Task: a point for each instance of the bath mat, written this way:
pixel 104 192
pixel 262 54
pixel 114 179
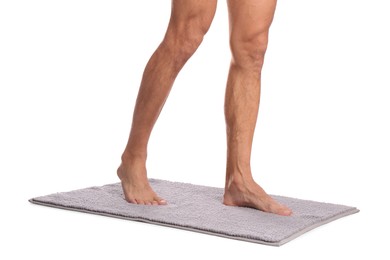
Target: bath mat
pixel 199 208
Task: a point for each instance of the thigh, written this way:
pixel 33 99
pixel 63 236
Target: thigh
pixel 192 14
pixel 250 18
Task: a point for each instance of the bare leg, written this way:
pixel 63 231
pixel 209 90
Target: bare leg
pixel 249 25
pixel 190 20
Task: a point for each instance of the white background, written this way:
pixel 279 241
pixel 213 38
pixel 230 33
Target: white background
pixel 69 75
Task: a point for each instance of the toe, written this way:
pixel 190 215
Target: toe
pixel 131 200
pixel 162 202
pixel 148 203
pixel 140 202
pixel 287 212
pixel 155 203
pixel 284 211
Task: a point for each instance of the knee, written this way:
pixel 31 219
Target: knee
pixel 187 43
pixel 248 51
pixel 183 40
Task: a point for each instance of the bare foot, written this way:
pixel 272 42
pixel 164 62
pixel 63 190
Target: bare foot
pixel 247 193
pixel 135 185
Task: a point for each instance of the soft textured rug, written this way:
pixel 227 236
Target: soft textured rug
pixel 199 208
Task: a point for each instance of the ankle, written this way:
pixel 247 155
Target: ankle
pixel 132 165
pixel 238 170
pixel 238 179
pixel 131 157
pixel 133 169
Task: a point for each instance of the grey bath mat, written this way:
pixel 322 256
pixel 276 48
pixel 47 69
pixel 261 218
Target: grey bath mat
pixel 200 208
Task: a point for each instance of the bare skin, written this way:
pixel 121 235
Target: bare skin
pixel 249 22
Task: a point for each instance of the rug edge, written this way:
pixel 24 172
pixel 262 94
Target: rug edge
pixel 351 211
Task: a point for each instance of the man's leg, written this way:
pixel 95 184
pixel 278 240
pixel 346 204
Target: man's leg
pixel 249 25
pixel 190 20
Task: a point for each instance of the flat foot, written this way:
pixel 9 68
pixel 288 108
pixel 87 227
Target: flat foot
pixel 136 187
pixel 249 194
